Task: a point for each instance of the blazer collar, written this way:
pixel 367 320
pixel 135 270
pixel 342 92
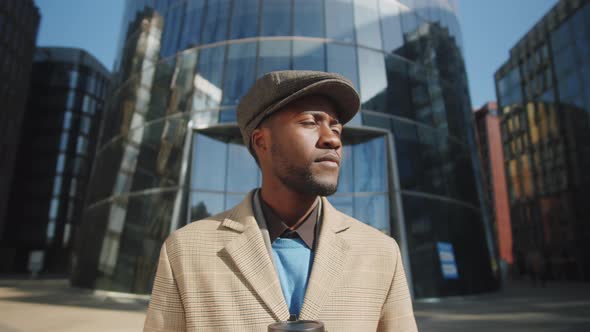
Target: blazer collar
pixel 249 253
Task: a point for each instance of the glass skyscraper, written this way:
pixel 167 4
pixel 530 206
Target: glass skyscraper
pixel 56 151
pixel 170 151
pixel 544 95
pixel 19 20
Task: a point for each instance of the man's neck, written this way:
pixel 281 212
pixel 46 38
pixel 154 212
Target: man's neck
pixel 288 205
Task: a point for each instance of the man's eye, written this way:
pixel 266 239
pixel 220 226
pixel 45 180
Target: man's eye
pixel 309 123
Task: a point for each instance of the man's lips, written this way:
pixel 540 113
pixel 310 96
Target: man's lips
pixel 331 157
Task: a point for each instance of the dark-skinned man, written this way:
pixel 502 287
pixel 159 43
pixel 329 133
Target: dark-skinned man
pixel 285 252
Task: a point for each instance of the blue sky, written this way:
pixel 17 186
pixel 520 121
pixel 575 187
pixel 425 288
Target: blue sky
pixel 490 28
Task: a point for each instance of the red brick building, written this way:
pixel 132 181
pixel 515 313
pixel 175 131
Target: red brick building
pixel 489 138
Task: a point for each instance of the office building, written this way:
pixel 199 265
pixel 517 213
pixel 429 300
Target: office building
pixel 544 95
pixel 170 151
pixel 19 21
pixel 57 148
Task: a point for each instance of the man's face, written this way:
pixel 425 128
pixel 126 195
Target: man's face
pixel 305 146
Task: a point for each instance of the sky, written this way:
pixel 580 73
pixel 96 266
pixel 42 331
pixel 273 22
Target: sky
pixel 490 28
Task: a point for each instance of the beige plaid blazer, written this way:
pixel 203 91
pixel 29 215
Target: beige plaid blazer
pixel 216 275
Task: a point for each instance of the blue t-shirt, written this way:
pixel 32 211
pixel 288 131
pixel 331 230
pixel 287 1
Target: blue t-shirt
pixel 293 261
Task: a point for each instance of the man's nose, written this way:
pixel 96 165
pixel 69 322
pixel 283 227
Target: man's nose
pixel 328 138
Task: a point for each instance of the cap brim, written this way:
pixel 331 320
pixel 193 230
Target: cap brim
pixel 342 94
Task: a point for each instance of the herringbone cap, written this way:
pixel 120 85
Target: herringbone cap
pixel 276 89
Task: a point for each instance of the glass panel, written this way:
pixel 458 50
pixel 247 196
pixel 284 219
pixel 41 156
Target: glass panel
pixel 209 157
pixel 172 26
pixel 373 210
pixel 391 25
pixel 85 125
pixel 61 163
pixel 370 176
pixel 191 30
pixel 232 200
pixel 243 173
pixel 244 21
pixel 366 21
pixel 372 78
pixel 274 55
pixel 346 178
pixel 308 55
pixel 340 20
pixel 217 21
pixel 398 88
pixel 344 203
pixel 208 81
pixel 63 142
pixel 239 72
pixel 276 18
pixel 204 205
pixel 67 120
pixel 309 18
pixel 342 60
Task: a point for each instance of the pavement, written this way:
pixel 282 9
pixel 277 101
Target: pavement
pixel 52 305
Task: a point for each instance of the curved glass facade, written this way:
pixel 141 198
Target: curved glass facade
pixel 170 150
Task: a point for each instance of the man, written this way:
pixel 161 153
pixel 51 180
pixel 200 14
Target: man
pixel 285 252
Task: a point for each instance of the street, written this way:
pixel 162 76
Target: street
pixel 51 305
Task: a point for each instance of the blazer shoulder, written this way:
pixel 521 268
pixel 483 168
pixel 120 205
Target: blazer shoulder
pixel 191 231
pixel 369 234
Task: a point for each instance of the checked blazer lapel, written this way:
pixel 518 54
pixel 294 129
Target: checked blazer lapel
pixel 328 265
pixel 250 255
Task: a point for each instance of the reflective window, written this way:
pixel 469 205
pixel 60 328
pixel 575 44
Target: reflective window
pixel 183 80
pixel 216 21
pixel 57 183
pixel 344 203
pixel 308 18
pixel 172 27
pixel 244 22
pixel 208 81
pixel 204 205
pixel 85 123
pixel 63 141
pixel 239 72
pixel 61 163
pixel 70 104
pixel 191 29
pixel 73 79
pixel 276 18
pixel 53 208
pixel 374 210
pixel 370 176
pixel 274 55
pixel 409 20
pixel 340 20
pixel 366 21
pixel 398 87
pixel 373 81
pixel 243 174
pixel 391 25
pixel 342 60
pixel 308 55
pixel 210 157
pixel 346 178
pixel 82 145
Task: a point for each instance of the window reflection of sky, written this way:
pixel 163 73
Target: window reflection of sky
pixel 223 172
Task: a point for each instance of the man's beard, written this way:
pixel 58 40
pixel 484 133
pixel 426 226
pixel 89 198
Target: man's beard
pixel 300 179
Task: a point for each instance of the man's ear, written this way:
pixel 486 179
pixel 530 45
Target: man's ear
pixel 260 140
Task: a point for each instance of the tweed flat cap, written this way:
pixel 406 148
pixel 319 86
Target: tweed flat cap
pixel 276 89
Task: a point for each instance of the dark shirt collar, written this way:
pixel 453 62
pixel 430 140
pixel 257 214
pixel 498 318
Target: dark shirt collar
pixel 276 227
